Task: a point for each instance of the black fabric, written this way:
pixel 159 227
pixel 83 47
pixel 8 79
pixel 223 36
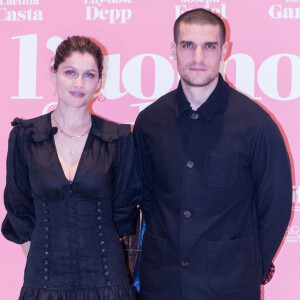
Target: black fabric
pixel 73 226
pixel 217 196
pixel 124 292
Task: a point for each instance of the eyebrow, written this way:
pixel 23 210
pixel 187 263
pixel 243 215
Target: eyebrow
pixel 185 42
pixel 206 43
pixel 211 43
pixel 90 70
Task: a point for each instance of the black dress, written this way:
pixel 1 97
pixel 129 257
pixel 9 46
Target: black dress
pixel 73 227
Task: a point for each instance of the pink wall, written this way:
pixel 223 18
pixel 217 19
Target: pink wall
pixel 136 35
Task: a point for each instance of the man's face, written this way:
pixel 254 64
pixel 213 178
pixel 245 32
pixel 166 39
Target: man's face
pixel 199 51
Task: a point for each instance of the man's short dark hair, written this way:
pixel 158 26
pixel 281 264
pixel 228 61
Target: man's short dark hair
pixel 199 16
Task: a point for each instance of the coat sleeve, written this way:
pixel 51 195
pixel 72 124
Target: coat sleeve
pixel 125 211
pixel 144 169
pixel 20 219
pixel 271 173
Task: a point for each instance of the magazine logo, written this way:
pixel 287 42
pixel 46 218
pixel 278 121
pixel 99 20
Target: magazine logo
pixel 285 10
pixel 213 5
pixel 293 234
pixel 111 15
pixel 15 11
pixel 296 198
pixel 128 80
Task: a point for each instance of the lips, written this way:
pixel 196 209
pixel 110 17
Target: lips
pixel 198 69
pixel 77 94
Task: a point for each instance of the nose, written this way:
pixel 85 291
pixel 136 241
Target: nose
pixel 78 82
pixel 198 55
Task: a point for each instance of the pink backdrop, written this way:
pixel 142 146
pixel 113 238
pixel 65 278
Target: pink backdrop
pixel 136 35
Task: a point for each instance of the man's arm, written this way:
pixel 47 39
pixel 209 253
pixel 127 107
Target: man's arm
pixel 144 169
pixel 271 174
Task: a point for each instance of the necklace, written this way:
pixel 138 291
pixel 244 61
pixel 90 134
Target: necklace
pixel 73 136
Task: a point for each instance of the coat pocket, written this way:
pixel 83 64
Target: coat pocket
pixel 231 265
pixel 220 168
pixel 152 261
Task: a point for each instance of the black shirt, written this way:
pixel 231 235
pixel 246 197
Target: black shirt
pixel 217 195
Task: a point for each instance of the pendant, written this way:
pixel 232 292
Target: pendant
pixel 71 151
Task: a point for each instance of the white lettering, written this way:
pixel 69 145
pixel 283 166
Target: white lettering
pixel 20 15
pixel 267 77
pixel 296 194
pixel 47 106
pixel 180 9
pixel 113 15
pixel 112 69
pixel 100 2
pixel 53 43
pixel 141 106
pixel 221 11
pixel 19 2
pixel 277 12
pixel 27 67
pixel 132 75
pixel 244 79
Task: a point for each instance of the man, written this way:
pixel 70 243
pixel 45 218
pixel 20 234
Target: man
pixel 216 178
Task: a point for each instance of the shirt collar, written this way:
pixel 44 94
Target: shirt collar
pixel 210 106
pixel 42 129
pixel 103 129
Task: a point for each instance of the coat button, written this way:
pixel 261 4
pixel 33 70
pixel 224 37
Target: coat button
pixel 187 214
pixel 194 116
pixel 190 164
pixel 185 262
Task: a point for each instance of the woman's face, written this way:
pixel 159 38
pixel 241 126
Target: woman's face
pixel 76 79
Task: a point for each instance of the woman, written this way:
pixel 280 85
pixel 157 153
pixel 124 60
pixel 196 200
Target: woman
pixel 68 188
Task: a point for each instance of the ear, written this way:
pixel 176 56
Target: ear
pixel 53 76
pixel 224 50
pixel 99 84
pixel 174 50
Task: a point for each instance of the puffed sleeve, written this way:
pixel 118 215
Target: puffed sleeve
pixel 125 210
pixel 19 220
pixel 271 173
